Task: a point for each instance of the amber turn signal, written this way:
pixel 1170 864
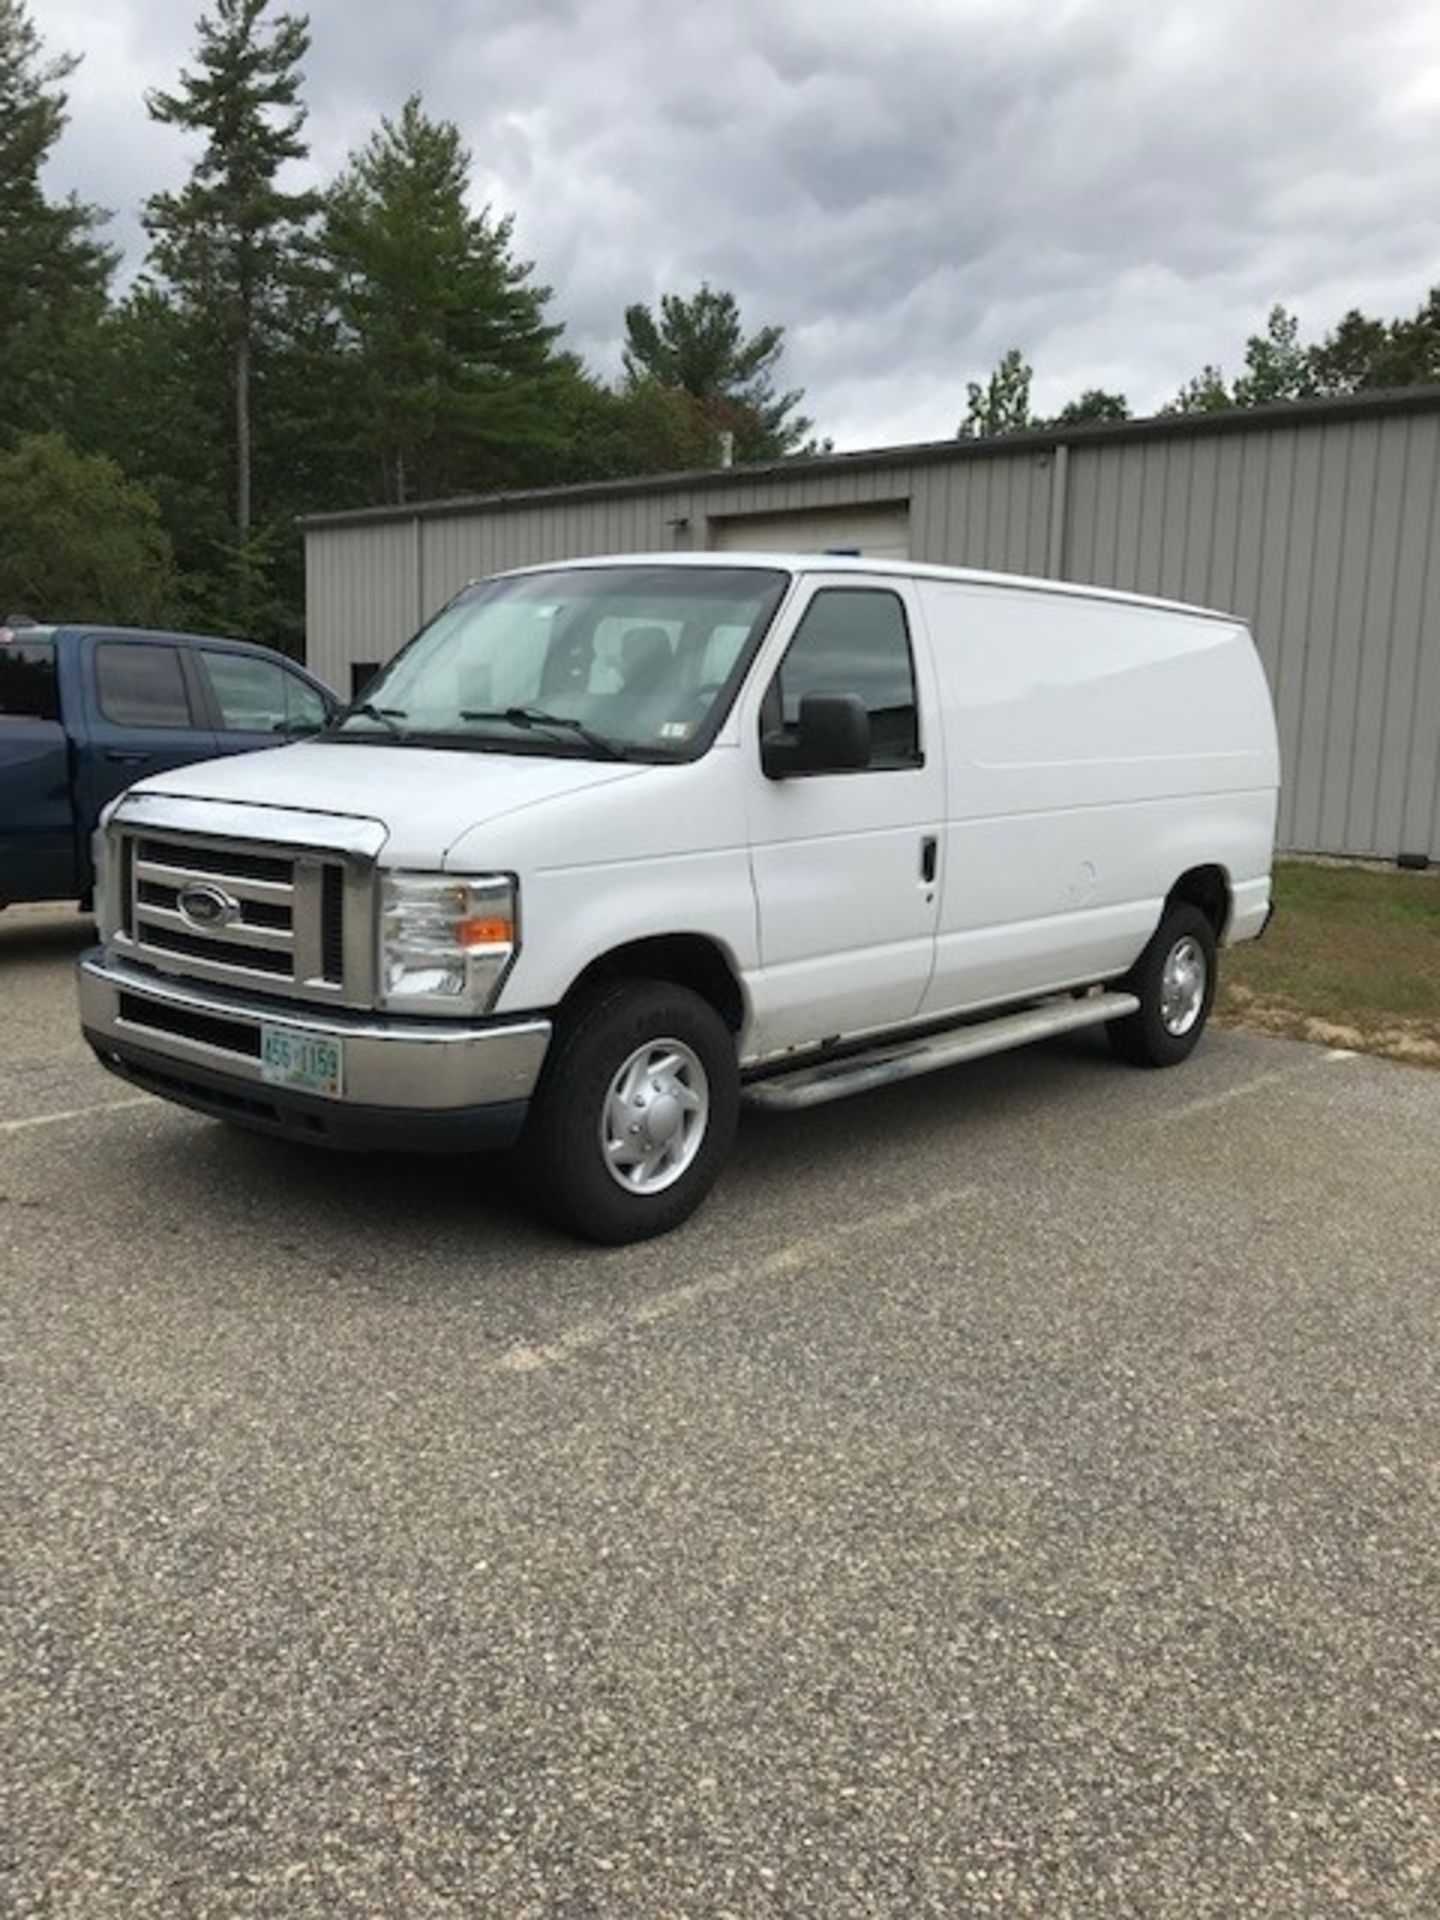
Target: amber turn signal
pixel 485 933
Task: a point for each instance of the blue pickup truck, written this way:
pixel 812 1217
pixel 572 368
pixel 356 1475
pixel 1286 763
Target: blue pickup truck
pixel 84 711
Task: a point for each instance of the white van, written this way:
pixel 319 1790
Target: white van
pixel 612 846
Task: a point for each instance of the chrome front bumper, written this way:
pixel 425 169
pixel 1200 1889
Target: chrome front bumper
pixel 407 1083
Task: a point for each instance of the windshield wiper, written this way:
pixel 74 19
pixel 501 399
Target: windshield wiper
pixel 530 717
pixel 387 716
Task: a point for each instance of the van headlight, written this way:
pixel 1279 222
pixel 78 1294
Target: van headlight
pixel 446 941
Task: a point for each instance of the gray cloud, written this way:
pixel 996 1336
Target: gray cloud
pixel 1120 189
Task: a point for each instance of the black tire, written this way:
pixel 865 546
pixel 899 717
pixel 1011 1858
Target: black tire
pixel 1147 1038
pixel 565 1162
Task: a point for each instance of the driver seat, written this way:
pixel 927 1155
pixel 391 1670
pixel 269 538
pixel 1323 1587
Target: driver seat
pixel 646 661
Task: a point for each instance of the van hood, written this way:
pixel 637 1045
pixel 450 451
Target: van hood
pixel 425 798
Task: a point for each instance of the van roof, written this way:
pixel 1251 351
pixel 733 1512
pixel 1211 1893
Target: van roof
pixel 850 563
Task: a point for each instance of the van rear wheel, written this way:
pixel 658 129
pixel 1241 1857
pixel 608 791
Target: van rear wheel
pixel 635 1112
pixel 1174 980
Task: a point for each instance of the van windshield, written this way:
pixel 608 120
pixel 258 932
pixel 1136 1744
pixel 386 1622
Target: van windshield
pixel 607 662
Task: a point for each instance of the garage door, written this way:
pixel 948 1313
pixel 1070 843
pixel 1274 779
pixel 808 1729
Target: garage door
pixel 878 533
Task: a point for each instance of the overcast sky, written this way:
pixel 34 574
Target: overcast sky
pixel 1119 187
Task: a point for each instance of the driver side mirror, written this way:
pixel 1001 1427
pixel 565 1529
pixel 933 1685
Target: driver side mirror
pixel 833 736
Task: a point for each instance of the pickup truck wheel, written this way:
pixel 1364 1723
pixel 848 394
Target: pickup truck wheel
pixel 1174 979
pixel 635 1112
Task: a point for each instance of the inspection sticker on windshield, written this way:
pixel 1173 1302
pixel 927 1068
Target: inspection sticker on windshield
pixel 308 1062
pixel 675 730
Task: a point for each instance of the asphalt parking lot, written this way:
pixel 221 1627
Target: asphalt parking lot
pixel 1016 1493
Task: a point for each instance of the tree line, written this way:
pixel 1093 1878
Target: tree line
pixel 372 342
pixel 1358 355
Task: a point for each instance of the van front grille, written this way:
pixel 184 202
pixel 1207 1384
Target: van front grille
pixel 158 1016
pixel 253 959
pixel 236 913
pixel 332 923
pixel 235 863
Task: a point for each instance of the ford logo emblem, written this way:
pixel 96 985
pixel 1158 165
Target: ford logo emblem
pixel 206 906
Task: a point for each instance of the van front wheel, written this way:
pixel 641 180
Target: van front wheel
pixel 635 1112
pixel 1174 980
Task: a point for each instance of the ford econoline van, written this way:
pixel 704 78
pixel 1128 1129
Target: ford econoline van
pixel 614 846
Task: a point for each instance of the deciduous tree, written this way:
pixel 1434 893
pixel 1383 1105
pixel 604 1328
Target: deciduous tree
pixel 1278 365
pixel 1206 392
pixel 1092 407
pixel 1000 404
pixel 81 541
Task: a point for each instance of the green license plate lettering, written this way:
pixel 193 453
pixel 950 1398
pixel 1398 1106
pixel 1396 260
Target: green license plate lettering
pixel 308 1062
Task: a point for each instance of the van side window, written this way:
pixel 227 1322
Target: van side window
pixel 141 685
pixel 854 640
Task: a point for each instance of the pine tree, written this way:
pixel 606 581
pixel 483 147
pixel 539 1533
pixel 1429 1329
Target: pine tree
pixel 451 362
pixel 230 243
pixel 698 348
pixel 152 406
pixel 53 270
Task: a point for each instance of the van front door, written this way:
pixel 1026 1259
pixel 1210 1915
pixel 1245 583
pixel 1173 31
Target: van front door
pixel 844 863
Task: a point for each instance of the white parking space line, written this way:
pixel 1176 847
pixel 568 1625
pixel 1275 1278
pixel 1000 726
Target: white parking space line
pixel 587 1334
pixel 73 1113
pixel 1183 1109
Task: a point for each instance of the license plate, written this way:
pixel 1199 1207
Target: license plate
pixel 309 1062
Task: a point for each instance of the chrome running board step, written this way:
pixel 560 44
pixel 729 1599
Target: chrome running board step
pixel 814 1086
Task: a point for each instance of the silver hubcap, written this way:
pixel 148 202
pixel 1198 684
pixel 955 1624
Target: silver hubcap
pixel 655 1115
pixel 1182 986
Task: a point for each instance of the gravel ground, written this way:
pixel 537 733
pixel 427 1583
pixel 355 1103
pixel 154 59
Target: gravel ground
pixel 1016 1494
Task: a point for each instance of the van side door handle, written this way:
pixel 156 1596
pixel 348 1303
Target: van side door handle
pixel 929 850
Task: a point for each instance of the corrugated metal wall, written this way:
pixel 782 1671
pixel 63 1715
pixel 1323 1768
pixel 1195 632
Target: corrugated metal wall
pixel 1321 535
pixel 1317 527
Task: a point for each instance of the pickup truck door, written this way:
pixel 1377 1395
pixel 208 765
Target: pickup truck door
pixel 146 713
pixel 37 826
pixel 844 864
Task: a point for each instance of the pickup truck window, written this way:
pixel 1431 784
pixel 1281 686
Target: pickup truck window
pixel 141 685
pixel 27 681
pixel 854 640
pixel 259 696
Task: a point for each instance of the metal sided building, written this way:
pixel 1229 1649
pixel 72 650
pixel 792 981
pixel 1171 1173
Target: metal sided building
pixel 1319 522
